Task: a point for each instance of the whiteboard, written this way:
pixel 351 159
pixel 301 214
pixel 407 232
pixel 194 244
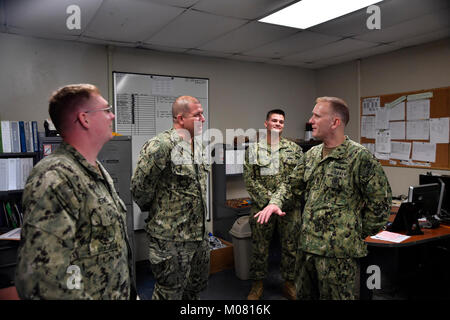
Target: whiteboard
pixel 143 109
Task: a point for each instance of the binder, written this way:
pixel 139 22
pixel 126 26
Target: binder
pixel 23 142
pixel 35 135
pixel 15 136
pixel 6 136
pixel 28 136
pixel 12 218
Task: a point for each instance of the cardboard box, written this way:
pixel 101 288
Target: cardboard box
pixel 221 259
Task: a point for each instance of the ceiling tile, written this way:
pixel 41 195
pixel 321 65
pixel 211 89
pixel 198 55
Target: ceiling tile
pixel 86 39
pixel 175 3
pixel 247 37
pixel 298 42
pixel 130 22
pixel 47 17
pixel 411 28
pixel 299 64
pixel 245 9
pixel 330 50
pixel 359 54
pixel 423 38
pixel 164 48
pixel 391 13
pixel 208 53
pixel 247 58
pixel 192 29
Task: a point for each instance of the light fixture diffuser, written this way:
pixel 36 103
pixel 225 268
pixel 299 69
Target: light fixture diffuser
pixel 307 13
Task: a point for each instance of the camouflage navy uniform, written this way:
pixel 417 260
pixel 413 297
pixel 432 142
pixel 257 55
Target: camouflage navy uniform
pixel 73 243
pixel 171 186
pixel 348 197
pixel 263 173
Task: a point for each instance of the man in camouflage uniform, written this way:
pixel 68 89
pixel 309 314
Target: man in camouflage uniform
pixel 74 243
pixel 170 183
pixel 348 198
pixel 269 163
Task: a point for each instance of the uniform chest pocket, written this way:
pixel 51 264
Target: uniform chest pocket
pixel 104 231
pixel 184 175
pixel 336 177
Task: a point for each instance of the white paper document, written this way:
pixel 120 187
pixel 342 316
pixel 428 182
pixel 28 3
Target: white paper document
pixel 390 236
pixel 397 129
pixel 382 156
pixel 370 105
pixel 382 118
pixel 424 151
pixel 439 130
pixel 395 102
pixel 397 112
pixel 11 235
pixel 420 96
pixel 383 141
pixel 400 150
pixel 368 127
pixel 418 130
pixel 418 109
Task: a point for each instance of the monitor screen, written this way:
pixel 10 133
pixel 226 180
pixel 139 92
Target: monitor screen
pixel 426 179
pixel 427 198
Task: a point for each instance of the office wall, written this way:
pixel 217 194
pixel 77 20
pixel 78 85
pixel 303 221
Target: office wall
pixel 240 93
pixel 420 67
pixel 32 68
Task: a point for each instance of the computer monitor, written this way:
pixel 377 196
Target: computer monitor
pixel 427 198
pixel 428 178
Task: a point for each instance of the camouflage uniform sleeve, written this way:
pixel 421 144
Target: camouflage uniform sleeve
pixel 292 188
pixel 376 192
pixel 152 161
pixel 256 190
pixel 47 241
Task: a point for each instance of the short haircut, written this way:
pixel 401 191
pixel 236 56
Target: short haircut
pixel 66 100
pixel 275 111
pixel 181 105
pixel 339 107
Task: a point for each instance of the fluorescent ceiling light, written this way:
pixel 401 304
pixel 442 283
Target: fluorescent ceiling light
pixel 308 13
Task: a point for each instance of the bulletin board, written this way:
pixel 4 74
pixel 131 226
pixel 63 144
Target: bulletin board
pixel 415 120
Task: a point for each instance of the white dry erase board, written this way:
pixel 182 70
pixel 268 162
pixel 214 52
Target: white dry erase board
pixel 143 108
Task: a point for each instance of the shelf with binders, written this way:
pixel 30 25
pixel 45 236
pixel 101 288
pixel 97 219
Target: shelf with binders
pixel 14 171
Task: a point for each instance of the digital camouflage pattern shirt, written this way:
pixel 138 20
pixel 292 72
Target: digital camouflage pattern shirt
pixel 73 242
pixel 170 183
pixel 265 169
pixel 348 197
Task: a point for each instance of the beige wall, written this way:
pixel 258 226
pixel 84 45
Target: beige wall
pixel 240 92
pixel 32 68
pixel 421 67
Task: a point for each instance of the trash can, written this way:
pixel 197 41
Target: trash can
pixel 242 247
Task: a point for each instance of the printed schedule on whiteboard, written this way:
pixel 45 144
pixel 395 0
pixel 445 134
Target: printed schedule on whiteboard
pixel 143 103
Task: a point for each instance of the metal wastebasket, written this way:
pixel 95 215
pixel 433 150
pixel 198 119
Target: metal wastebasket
pixel 242 247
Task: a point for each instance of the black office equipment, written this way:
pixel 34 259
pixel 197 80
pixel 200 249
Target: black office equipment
pixel 406 220
pixel 445 207
pixel 427 198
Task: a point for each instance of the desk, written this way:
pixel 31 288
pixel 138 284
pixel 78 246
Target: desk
pixel 439 233
pixel 409 262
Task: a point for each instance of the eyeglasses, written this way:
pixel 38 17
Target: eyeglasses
pixel 107 109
